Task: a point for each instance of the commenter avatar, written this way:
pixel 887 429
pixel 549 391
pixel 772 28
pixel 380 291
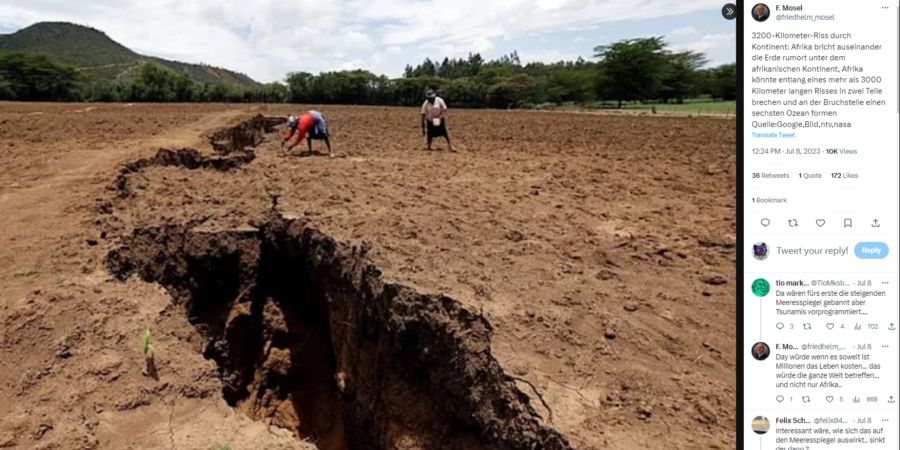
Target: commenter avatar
pixel 760 351
pixel 760 287
pixel 760 425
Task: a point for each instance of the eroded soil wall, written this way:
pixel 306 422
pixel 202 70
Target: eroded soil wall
pixel 307 335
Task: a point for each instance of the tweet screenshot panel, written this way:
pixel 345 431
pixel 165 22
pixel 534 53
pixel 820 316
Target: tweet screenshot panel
pixel 821 120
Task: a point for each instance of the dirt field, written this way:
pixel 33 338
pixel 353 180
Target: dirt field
pixel 562 281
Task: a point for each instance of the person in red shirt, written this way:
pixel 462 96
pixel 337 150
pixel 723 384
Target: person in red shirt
pixel 311 126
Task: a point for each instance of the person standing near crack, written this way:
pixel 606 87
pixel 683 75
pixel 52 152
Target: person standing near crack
pixel 311 126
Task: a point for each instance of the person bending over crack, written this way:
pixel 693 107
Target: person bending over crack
pixel 311 126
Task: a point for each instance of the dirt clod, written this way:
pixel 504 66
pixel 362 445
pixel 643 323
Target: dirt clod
pixel 644 412
pixel 715 280
pixel 515 236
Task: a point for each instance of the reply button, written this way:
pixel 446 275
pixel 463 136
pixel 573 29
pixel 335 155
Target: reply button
pixel 871 250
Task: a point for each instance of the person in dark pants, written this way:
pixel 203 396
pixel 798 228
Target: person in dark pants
pixel 434 120
pixel 311 126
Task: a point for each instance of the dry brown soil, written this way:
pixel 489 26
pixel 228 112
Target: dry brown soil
pixel 562 279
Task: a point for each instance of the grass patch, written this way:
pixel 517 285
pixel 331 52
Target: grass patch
pixel 696 106
pixel 690 106
pixel 147 343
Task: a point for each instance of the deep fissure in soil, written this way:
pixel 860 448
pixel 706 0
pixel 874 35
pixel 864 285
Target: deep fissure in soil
pixel 245 135
pixel 308 336
pixel 234 147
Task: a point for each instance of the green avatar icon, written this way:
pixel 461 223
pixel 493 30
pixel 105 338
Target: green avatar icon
pixel 760 287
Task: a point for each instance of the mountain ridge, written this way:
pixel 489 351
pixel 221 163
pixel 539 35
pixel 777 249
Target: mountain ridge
pixel 94 53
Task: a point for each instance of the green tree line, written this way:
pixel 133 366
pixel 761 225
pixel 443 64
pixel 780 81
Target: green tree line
pixel 632 70
pixel 36 77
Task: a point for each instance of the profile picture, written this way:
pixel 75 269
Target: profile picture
pixel 760 425
pixel 760 351
pixel 760 287
pixel 760 12
pixel 760 251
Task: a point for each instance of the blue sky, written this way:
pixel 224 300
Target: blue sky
pixel 274 37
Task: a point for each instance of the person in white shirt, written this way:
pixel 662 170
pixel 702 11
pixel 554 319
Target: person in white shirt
pixel 434 120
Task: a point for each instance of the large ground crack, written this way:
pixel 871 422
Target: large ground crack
pixel 307 335
pixel 247 134
pixel 234 147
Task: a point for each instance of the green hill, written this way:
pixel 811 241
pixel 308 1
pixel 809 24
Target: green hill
pixel 101 58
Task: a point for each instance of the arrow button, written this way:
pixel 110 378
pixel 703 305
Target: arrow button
pixel 729 11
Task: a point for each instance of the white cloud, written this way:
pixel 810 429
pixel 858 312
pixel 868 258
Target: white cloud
pixel 481 45
pixel 546 56
pixel 718 47
pixel 268 38
pixel 710 42
pixel 689 30
pixel 432 20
